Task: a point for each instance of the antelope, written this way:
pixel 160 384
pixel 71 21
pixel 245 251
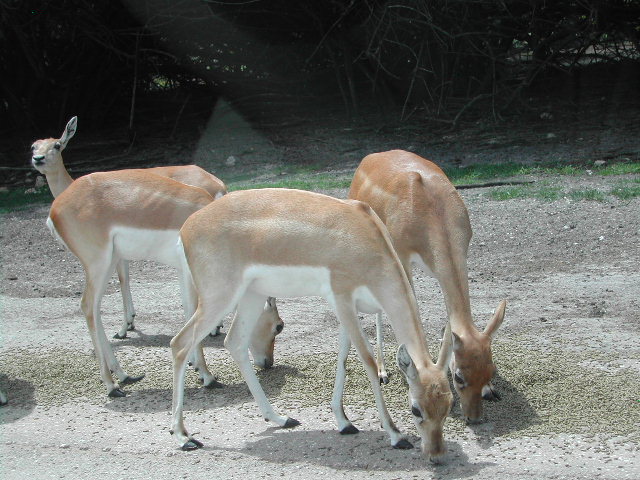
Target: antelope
pixel 253 244
pixel 429 226
pixel 46 158
pixel 104 218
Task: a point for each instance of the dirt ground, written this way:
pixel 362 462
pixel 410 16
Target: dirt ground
pixel 568 358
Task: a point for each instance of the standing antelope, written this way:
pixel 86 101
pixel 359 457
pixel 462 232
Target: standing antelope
pixel 429 225
pixel 288 243
pixel 104 218
pixel 46 157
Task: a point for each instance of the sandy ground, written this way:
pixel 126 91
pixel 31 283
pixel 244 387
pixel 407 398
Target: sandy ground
pixel 568 357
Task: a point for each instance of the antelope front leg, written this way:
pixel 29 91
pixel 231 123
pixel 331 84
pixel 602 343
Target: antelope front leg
pixel 96 282
pixel 90 304
pixel 237 342
pixel 348 317
pixel 122 267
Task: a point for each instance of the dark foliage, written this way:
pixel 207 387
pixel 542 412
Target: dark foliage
pixel 102 59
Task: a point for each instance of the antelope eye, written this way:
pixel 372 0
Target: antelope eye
pixel 57 146
pixel 458 378
pixel 416 412
pixel 33 147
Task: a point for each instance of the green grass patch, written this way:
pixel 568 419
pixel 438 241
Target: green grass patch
pixel 323 181
pixel 588 194
pixel 552 193
pixel 618 169
pixel 509 193
pixel 545 193
pixel 478 173
pixel 483 172
pixel 626 191
pixel 16 199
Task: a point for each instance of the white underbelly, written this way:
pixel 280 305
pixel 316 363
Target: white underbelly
pixel 288 281
pixel 142 244
pixel 302 281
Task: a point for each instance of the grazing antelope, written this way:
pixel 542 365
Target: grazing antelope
pixel 429 226
pixel 105 218
pixel 252 244
pixel 46 157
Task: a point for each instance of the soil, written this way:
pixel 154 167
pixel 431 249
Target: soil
pixel 568 356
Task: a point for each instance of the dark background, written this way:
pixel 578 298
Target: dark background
pixel 146 75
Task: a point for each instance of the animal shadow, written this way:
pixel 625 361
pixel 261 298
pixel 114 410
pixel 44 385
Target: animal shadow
pixel 20 399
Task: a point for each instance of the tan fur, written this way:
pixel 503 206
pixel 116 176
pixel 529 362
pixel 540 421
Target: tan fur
pixel 426 216
pixel 194 176
pixel 94 204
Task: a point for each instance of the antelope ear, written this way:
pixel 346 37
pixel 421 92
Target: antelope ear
pixel 445 349
pixel 403 359
pixel 69 131
pixel 496 320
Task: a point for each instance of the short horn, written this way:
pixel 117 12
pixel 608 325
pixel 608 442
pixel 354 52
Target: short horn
pixel 446 348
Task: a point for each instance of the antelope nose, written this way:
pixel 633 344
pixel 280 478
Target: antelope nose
pixel 38 159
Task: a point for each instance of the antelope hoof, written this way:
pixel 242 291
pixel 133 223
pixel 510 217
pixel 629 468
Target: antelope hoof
pixel 120 337
pixel 192 444
pixel 403 444
pixel 290 423
pixel 384 379
pixel 129 380
pixel 117 393
pixel 216 332
pixel 214 384
pixel 349 430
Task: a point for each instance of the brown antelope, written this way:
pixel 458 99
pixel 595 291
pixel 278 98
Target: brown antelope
pixel 252 244
pixel 429 226
pixel 46 157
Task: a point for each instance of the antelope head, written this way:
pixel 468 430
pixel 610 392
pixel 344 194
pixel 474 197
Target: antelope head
pixel 472 367
pixel 46 155
pixel 430 397
pixel 263 338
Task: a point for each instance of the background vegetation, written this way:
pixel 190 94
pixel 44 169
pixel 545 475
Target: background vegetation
pixel 127 63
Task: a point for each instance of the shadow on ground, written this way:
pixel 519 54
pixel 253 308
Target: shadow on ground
pixel 367 450
pixel 512 413
pixel 230 394
pixel 20 399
